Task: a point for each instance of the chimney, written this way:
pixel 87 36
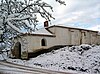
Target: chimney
pixel 46 24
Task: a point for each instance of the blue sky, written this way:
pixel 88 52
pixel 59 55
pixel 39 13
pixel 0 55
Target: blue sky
pixel 77 13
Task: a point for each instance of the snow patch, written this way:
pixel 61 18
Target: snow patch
pixel 83 59
pixel 42 31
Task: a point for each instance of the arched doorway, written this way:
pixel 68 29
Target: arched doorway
pixel 43 42
pixel 17 50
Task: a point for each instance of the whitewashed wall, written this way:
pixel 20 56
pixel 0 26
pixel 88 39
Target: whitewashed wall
pixel 62 35
pixel 66 36
pixel 98 39
pixel 86 37
pixel 73 36
pixel 34 42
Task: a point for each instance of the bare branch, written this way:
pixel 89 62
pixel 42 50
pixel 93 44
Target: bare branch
pixel 16 15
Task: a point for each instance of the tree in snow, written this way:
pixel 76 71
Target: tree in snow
pixel 18 15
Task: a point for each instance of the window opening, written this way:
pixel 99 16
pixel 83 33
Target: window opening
pixel 43 42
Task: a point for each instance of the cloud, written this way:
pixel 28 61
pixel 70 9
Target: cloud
pixel 77 13
pixel 96 28
pixel 81 13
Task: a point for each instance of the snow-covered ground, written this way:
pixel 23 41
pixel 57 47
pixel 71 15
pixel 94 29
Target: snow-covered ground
pixel 83 58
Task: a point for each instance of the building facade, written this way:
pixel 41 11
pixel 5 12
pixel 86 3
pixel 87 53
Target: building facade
pixel 52 36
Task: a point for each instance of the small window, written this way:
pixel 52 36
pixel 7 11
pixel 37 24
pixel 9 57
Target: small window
pixel 43 42
pixel 84 33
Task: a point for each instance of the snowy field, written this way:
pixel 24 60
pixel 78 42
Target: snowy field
pixel 83 58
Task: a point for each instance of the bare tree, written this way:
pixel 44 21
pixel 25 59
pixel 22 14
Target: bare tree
pixel 18 15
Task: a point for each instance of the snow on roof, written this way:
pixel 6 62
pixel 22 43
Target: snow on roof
pixel 42 31
pixel 39 32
